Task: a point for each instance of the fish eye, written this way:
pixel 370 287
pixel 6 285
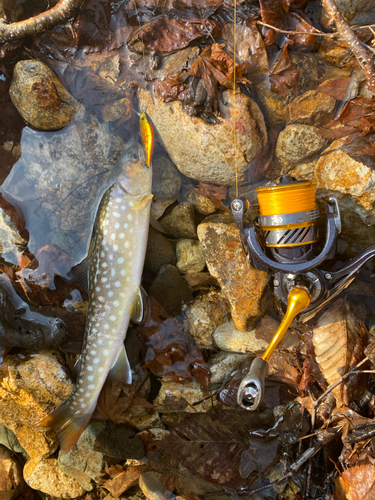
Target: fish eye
pixel 133 157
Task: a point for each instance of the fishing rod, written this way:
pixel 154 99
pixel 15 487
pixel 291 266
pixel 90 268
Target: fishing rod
pixel 283 241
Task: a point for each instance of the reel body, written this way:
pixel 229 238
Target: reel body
pixel 283 241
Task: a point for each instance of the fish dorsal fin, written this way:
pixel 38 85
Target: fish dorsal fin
pixel 143 203
pixel 138 307
pixel 121 368
pixel 81 273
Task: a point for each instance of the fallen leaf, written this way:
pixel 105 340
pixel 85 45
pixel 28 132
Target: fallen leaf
pixel 207 449
pixel 170 89
pixel 337 339
pixel 284 73
pixel 217 194
pixel 356 483
pixel 273 12
pixel 336 88
pixel 121 478
pixel 296 22
pixel 167 33
pixel 118 442
pixel 259 456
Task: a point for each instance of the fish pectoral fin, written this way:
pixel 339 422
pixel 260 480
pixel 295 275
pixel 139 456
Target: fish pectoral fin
pixel 81 273
pixel 77 366
pixel 121 368
pixel 156 225
pixel 143 202
pixel 67 425
pixel 138 308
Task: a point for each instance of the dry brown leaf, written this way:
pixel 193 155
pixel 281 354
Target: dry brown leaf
pixel 121 478
pixel 356 483
pixel 338 346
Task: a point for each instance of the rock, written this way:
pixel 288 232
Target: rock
pixel 11 242
pixel 83 462
pixel 30 388
pixel 204 151
pixel 190 256
pixel 11 479
pixel 146 422
pixel 158 207
pixel 182 396
pixel 228 338
pixel 180 222
pixel 171 290
pixel 201 204
pixel 46 476
pixel 274 104
pixel 203 316
pixel 40 97
pixel 151 484
pixel 117 109
pixel 296 143
pixel 242 285
pixel 24 327
pixel 159 252
pixel 166 179
pixel 304 171
pixel 222 364
pixel 350 180
pixel 336 53
pixel 354 11
pixel 60 178
pixel 312 108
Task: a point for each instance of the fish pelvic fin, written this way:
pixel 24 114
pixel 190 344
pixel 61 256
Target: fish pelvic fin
pixel 143 203
pixel 67 424
pixel 121 369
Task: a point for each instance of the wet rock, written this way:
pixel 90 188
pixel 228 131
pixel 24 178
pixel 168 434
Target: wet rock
pixel 176 397
pixel 296 143
pixel 242 285
pixel 12 482
pixel 351 181
pixel 61 178
pixel 204 151
pixel 228 338
pixel 180 222
pixel 274 104
pixel 171 290
pixel 117 109
pixel 166 179
pixel 10 240
pixel 312 108
pixel 23 327
pixel 158 207
pixel 151 420
pixel 305 171
pixel 46 476
pixel 83 462
pixel 159 252
pixel 190 256
pixel 31 387
pixel 40 97
pixel 151 484
pixel 203 316
pixel 222 364
pixel 201 204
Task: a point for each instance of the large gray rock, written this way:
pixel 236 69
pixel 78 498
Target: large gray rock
pixel 204 151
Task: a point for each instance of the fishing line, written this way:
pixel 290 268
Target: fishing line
pixel 234 93
pixel 288 199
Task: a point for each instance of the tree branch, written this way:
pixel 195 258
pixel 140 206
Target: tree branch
pixel 345 32
pixel 46 20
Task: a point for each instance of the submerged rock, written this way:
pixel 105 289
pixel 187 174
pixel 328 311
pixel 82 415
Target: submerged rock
pixel 242 285
pixel 40 98
pixel 30 387
pixel 180 222
pixel 313 108
pixel 190 256
pixel 59 180
pixel 203 316
pixel 159 252
pixel 166 179
pixel 201 204
pixel 46 476
pixel 171 290
pixel 202 150
pixel 350 180
pixel 222 365
pixel 12 482
pixel 296 143
pixel 188 397
pixel 151 484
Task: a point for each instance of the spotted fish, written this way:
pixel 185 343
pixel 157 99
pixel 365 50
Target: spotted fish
pixel 117 255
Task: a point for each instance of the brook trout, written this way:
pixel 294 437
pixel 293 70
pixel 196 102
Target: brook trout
pixel 117 253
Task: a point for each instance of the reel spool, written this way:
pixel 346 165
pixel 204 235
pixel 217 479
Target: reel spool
pixel 283 241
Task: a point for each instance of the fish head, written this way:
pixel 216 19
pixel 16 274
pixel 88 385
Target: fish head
pixel 135 176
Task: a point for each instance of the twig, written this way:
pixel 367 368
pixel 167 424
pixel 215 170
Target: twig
pixel 46 20
pixel 316 33
pixel 345 31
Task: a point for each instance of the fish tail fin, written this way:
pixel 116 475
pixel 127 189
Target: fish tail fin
pixel 67 424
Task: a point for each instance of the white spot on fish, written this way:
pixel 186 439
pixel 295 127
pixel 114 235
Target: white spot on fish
pixel 122 236
pixel 110 342
pixel 88 394
pixel 116 214
pixel 118 200
pixel 117 225
pixel 100 342
pixel 90 368
pixel 81 390
pixel 127 244
pixel 112 318
pixel 113 236
pixel 115 248
pixel 96 360
pixel 123 207
pixel 130 253
pixel 120 260
pixel 90 378
pixel 104 280
pixel 97 289
pixel 93 353
pixel 101 299
pixel 100 369
pixel 110 293
pixel 117 284
pixel 123 272
pixel 104 264
pixel 113 272
pixel 106 326
pixel 131 230
pixel 122 294
pixel 116 303
pixel 126 225
pixel 91 386
pixel 129 217
pixel 83 405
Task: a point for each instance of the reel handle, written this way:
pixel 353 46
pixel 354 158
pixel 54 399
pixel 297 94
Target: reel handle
pixel 251 390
